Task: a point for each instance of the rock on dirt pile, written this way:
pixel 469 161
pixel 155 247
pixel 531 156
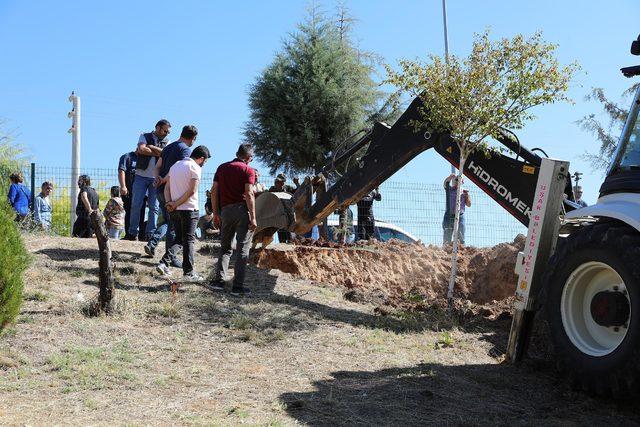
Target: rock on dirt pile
pixel 396 271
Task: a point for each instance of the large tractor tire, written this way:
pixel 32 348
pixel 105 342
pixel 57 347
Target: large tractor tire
pixel 593 308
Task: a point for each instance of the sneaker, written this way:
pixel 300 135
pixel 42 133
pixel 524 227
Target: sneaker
pixel 240 291
pixel 150 251
pixel 163 269
pixel 176 263
pixel 131 237
pixel 216 286
pixel 192 277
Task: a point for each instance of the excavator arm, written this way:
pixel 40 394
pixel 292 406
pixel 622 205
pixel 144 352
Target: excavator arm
pixel 510 181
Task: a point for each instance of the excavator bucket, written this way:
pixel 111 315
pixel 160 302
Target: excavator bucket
pixel 273 211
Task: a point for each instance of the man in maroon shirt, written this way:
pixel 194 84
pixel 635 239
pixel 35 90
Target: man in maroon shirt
pixel 234 213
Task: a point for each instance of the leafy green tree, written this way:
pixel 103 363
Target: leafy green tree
pixel 317 92
pixel 13 254
pixel 472 98
pixel 606 133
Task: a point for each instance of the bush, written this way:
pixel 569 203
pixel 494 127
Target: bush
pixel 14 260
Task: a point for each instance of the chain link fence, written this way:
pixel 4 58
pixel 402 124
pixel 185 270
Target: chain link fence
pixel 416 208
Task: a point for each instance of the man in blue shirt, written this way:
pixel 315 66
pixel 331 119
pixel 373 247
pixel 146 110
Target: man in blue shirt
pixel 171 154
pixel 126 175
pixel 19 196
pixel 150 147
pixel 42 207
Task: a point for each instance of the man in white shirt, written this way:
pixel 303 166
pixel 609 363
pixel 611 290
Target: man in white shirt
pixel 181 195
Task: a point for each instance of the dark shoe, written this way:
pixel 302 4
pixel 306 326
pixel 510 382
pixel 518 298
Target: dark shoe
pixel 216 286
pixel 176 263
pixel 151 251
pixel 148 237
pixel 131 237
pixel 240 291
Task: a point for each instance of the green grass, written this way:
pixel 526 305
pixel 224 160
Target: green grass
pixel 167 309
pixel 93 368
pixel 35 296
pixel 446 340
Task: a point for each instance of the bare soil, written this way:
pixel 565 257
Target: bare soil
pixel 294 352
pixel 398 274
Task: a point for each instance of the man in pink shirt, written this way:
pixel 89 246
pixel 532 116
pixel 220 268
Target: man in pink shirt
pixel 181 194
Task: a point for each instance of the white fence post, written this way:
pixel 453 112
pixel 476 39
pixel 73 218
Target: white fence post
pixel 74 115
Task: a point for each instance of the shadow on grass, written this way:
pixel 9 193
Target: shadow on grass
pixel 64 254
pixel 265 308
pixel 434 394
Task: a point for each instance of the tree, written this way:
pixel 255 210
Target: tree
pixel 472 98
pixel 608 133
pixel 315 94
pixel 13 254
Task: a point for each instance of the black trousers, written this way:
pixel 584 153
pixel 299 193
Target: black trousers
pixel 82 227
pixel 366 228
pixel 184 224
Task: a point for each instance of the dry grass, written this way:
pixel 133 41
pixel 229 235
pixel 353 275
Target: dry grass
pixel 292 353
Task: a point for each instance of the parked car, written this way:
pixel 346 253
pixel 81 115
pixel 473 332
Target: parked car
pixel 385 230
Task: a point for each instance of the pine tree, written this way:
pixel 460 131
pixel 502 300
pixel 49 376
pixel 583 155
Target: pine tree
pixel 315 94
pixel 607 134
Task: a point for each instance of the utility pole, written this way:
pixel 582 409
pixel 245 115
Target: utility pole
pixel 446 46
pixel 74 115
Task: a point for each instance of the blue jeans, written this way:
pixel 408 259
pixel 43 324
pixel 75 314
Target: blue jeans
pixel 164 228
pixel 447 226
pixel 141 186
pixel 114 233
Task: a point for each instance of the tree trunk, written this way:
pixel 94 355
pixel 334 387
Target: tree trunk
pixel 456 227
pixel 107 291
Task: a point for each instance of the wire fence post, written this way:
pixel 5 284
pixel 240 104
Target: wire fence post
pixel 33 187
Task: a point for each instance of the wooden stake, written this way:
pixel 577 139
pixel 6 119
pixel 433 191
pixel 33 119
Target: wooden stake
pixel 107 289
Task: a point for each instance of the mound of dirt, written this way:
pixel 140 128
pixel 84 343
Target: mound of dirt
pixel 395 273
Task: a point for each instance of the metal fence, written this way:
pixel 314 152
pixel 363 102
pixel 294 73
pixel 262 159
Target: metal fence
pixel 417 208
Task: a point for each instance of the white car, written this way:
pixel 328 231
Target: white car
pixel 385 230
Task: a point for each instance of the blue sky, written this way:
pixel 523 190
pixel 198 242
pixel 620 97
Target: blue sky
pixel 193 61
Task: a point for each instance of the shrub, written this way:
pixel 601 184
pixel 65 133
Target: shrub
pixel 13 256
pixel 15 260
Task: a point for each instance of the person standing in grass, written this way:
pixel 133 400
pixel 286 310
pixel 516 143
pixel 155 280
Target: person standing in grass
pixel 172 153
pixel 181 195
pixel 88 201
pixel 234 213
pixel 42 207
pixel 149 149
pixel 19 196
pixel 114 214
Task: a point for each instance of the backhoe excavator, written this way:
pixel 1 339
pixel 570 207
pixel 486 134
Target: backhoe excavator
pixel 581 264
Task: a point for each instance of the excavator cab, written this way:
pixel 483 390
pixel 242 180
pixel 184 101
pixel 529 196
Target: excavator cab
pixel 623 174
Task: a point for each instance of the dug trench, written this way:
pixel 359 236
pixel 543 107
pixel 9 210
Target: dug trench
pixel 397 275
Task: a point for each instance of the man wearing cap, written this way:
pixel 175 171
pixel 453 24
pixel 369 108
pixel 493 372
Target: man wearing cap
pixel 279 186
